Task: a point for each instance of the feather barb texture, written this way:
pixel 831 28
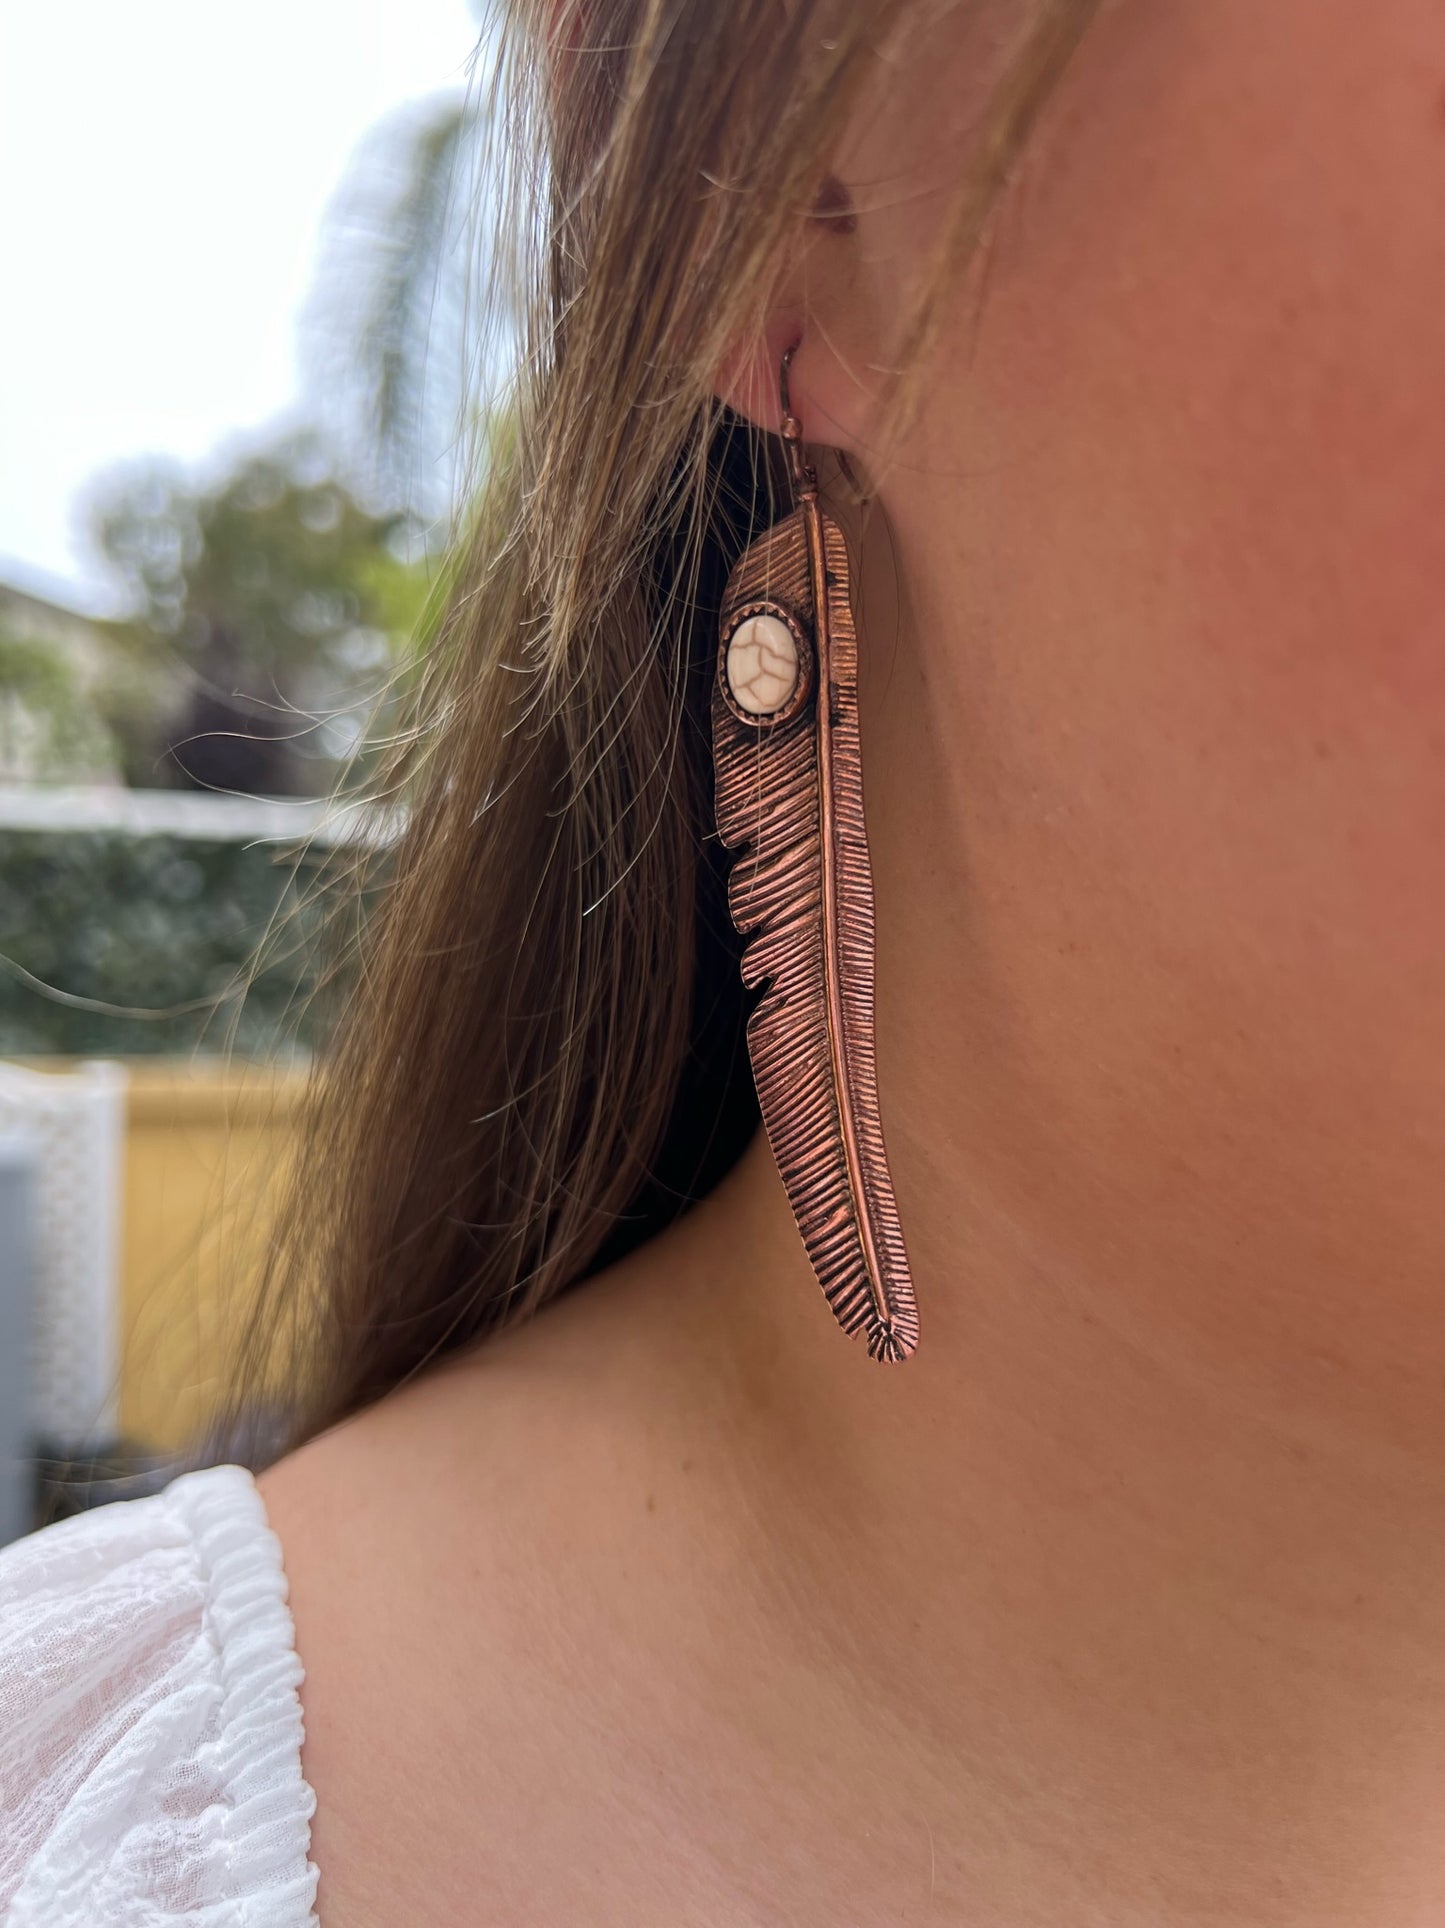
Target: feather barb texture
pixel 789 794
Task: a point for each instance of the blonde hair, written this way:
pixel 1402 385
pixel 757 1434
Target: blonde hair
pixel 541 1058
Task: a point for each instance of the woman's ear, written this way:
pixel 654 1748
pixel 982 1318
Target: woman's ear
pixel 807 312
pixel 823 392
pixel 749 381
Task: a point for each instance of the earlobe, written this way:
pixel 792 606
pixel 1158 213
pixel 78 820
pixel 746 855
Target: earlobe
pixel 747 381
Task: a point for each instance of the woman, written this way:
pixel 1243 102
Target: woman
pixel 1122 1600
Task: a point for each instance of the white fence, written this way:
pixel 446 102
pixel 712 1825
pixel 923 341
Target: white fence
pixel 75 1123
pixel 192 813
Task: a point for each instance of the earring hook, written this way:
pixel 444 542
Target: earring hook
pixel 802 474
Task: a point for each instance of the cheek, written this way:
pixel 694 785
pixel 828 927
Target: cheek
pixel 1202 431
pixel 1172 528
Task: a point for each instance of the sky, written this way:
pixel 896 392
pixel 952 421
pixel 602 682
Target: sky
pixel 165 167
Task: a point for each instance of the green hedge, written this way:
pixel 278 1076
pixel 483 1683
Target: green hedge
pixel 153 923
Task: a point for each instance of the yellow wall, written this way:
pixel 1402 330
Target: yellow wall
pixel 205 1145
pixel 205 1153
pixel 204 1150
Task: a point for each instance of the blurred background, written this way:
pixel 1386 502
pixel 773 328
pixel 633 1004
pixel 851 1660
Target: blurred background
pixel 236 371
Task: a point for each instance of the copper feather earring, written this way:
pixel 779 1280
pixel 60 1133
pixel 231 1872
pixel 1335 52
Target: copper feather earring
pixel 789 788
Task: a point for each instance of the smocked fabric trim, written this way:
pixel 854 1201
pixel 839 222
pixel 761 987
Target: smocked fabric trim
pixel 267 1827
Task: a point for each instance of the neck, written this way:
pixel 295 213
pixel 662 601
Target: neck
pixel 1143 1552
pixel 1115 1602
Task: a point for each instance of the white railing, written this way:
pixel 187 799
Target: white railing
pixel 192 813
pixel 75 1123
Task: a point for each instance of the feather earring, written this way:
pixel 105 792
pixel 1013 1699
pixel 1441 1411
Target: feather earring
pixel 789 789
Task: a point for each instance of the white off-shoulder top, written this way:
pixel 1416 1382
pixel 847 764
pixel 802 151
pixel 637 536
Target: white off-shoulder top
pixel 150 1726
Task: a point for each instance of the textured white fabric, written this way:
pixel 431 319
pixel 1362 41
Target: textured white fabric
pixel 150 1726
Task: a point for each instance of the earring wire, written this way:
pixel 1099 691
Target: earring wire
pixel 802 474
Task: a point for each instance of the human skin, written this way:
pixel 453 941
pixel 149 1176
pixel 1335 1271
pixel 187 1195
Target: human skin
pixel 1121 1604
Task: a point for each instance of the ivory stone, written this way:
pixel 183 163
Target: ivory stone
pixel 762 665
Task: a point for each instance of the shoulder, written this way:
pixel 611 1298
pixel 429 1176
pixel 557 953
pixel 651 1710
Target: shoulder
pixel 150 1724
pixel 463 1561
pixel 414 1539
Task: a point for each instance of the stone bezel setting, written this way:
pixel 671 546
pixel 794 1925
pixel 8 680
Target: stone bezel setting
pixel 803 680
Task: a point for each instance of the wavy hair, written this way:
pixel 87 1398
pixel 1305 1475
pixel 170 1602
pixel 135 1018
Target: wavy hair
pixel 540 1060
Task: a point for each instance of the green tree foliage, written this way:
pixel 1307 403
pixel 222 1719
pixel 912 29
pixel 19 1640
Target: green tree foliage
pixel 48 721
pixel 121 944
pixel 271 609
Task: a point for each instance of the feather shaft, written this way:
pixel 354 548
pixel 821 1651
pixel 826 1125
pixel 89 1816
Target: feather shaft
pixel 790 803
